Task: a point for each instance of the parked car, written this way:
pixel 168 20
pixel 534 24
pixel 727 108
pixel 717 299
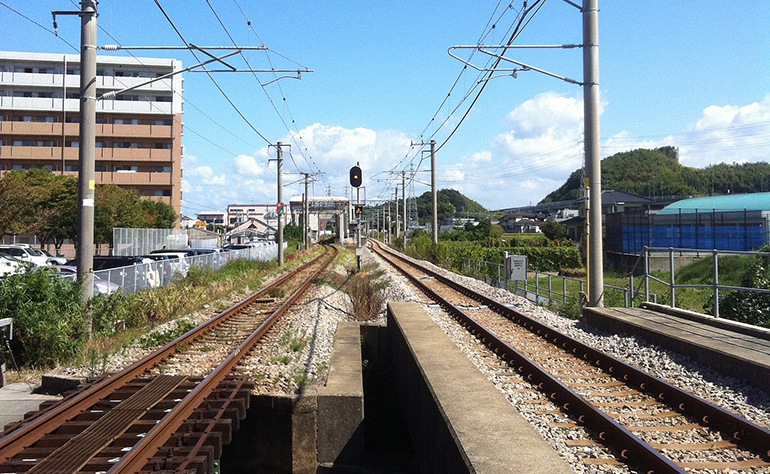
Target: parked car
pixel 145 270
pixel 25 253
pixel 10 265
pixel 54 259
pixel 177 260
pixel 101 286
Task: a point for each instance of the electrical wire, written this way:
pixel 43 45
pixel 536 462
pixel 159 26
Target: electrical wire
pixel 39 25
pixel 157 2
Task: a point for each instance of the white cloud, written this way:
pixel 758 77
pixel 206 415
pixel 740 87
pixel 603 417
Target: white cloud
pixel 723 134
pixel 248 166
pixel 206 176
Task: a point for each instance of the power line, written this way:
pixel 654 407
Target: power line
pixel 210 76
pixel 39 25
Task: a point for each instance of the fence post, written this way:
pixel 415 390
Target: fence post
pixel 550 296
pixel 625 298
pixel 564 289
pixel 537 287
pixel 631 277
pixel 647 274
pixel 716 283
pixel 672 290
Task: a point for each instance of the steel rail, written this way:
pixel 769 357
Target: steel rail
pixel 743 431
pixel 147 447
pixel 45 422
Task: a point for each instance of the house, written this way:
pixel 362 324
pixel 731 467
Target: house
pixel 616 201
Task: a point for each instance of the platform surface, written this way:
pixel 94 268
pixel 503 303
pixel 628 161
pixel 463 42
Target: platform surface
pixel 16 399
pixel 733 353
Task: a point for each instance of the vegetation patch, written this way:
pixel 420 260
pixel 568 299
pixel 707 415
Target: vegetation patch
pixel 162 338
pixel 366 291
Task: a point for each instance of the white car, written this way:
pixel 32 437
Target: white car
pixel 25 253
pixel 9 265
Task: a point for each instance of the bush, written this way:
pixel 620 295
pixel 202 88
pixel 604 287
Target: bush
pixel 49 325
pixel 366 293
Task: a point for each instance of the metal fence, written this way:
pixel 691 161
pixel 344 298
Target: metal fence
pixel 714 286
pixel 157 274
pixel 545 288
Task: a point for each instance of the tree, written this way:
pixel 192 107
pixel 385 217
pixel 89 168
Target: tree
pixel 22 198
pixel 158 215
pixel 552 230
pixel 61 223
pixel 496 232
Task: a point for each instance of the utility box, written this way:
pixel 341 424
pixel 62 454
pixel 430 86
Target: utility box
pixel 516 267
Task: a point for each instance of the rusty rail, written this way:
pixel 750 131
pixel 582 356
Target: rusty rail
pixel 630 446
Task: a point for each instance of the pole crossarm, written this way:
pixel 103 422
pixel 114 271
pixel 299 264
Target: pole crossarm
pixel 484 49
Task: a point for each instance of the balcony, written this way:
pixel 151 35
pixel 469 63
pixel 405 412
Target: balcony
pixel 135 155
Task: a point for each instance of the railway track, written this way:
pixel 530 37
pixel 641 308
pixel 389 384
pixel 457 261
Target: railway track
pixel 170 411
pixel 647 423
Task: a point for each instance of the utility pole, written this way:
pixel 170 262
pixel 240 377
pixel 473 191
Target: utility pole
pixel 434 196
pixel 403 193
pixel 279 156
pixel 593 158
pixel 87 149
pixel 307 213
pixel 398 224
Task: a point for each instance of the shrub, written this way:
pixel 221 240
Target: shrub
pixel 366 293
pixel 48 318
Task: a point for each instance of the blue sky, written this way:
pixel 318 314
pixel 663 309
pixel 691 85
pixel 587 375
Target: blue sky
pixel 690 74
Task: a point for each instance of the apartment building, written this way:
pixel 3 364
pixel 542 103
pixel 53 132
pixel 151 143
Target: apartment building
pixel 138 133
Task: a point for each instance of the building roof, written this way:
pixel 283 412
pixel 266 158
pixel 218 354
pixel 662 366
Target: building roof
pixel 611 197
pixel 730 202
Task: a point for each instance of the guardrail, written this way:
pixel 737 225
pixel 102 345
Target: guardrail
pixel 647 276
pixel 565 290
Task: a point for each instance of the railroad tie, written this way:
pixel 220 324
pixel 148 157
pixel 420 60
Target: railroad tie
pixel 76 452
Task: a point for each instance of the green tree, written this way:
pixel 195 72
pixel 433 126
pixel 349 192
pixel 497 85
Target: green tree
pixel 158 215
pixel 23 195
pixel 61 223
pixel 554 231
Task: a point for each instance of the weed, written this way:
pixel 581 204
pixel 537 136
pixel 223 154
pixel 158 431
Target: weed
pixel 207 348
pixel 297 345
pixel 284 359
pixel 366 291
pixel 301 380
pixel 162 338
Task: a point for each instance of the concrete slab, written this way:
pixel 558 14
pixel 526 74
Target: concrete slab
pixel 459 421
pixel 17 399
pixel 341 400
pixel 711 343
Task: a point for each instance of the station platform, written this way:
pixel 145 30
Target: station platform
pixel 16 399
pixel 729 347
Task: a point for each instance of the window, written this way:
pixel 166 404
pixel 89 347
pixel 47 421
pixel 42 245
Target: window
pixel 73 72
pixel 73 119
pixel 73 168
pixel 44 143
pixel 163 169
pixel 72 144
pixel 100 168
pixel 126 97
pixel 163 146
pixel 163 98
pixel 99 145
pixel 73 95
pixel 125 168
pixel 119 121
pixel 99 120
pixel 22 118
pixel 163 122
pixel 22 143
pixel 28 70
pixel 125 145
pixel 44 119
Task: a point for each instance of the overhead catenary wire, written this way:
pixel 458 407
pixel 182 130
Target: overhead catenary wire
pixel 224 94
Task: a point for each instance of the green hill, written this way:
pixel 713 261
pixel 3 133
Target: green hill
pixel 658 173
pixel 451 203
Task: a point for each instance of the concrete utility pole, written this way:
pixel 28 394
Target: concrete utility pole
pixel 403 193
pixel 279 156
pixel 307 213
pixel 434 195
pixel 87 148
pixel 593 158
pixel 398 224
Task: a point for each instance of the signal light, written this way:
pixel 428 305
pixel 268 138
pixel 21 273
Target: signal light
pixel 355 177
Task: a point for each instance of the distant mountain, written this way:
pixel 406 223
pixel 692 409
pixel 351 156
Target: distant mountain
pixel 657 172
pixel 451 203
